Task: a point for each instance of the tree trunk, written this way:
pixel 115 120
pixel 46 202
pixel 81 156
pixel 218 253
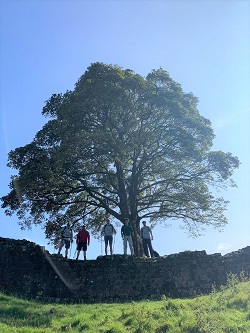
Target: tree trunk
pixel 136 238
pixel 127 206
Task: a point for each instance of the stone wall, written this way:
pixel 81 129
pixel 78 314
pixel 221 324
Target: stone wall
pixel 28 271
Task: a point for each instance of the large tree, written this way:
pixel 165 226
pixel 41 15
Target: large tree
pixel 122 145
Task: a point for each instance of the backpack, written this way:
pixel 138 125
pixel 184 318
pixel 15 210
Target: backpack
pixel 108 225
pixel 62 231
pixel 156 254
pixel 65 235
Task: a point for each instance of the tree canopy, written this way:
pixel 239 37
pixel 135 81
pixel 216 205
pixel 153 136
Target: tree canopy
pixel 122 145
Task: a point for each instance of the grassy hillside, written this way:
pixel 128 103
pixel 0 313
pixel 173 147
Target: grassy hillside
pixel 223 311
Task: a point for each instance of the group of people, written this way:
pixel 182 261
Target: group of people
pixel 82 240
pixel 108 232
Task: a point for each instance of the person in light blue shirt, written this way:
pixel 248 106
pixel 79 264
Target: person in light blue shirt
pixel 146 237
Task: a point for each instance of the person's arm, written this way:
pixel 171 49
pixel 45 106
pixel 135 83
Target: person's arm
pixel 88 238
pixel 122 233
pixel 150 231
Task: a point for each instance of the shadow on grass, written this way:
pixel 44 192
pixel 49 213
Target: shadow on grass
pixel 20 313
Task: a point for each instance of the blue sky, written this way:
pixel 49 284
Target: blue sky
pixel 204 45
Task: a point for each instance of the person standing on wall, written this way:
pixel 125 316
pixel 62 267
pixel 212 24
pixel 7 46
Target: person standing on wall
pixel 146 237
pixel 82 241
pixel 126 233
pixel 108 231
pixel 66 238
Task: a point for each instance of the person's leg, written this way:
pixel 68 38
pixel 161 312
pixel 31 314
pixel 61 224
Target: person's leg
pixel 150 248
pixel 106 245
pixel 78 248
pixel 110 241
pixel 67 246
pixel 125 245
pixel 111 249
pixel 145 247
pixel 77 256
pixel 84 250
pixel 111 245
pixel 60 247
pixel 130 245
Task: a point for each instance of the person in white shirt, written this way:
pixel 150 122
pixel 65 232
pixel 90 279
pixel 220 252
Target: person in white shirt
pixel 66 238
pixel 108 231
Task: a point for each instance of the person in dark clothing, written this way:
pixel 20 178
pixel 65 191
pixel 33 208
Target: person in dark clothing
pixel 146 237
pixel 82 241
pixel 126 233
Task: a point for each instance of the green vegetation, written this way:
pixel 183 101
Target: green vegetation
pixel 123 145
pixel 226 310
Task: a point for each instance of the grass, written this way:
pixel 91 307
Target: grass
pixel 226 310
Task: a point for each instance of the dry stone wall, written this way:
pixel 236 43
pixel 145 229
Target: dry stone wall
pixel 28 271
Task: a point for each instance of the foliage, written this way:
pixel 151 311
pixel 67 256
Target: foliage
pixel 122 145
pixel 226 310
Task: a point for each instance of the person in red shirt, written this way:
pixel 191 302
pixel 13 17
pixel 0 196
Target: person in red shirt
pixel 82 241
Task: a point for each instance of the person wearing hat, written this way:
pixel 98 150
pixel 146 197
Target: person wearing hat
pixel 82 241
pixel 66 237
pixel 146 237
